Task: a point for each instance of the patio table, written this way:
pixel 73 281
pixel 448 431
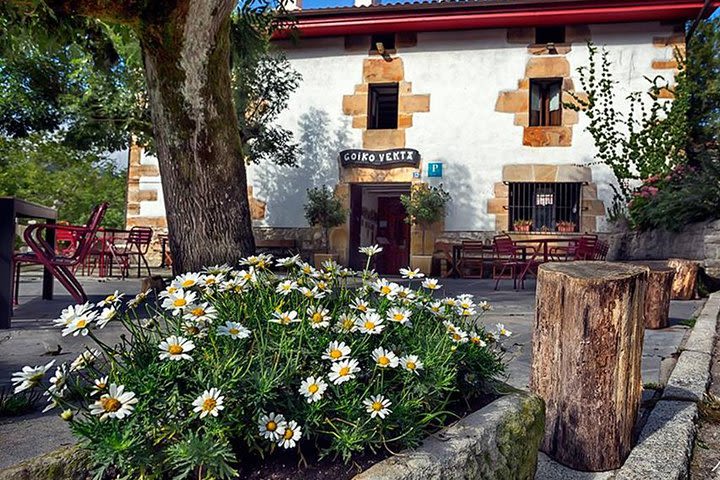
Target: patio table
pixel 542 244
pixel 10 209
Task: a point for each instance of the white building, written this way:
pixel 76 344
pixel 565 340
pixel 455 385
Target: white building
pixel 472 91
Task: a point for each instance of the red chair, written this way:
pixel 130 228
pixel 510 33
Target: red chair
pixel 61 266
pixel 136 244
pixel 582 249
pixel 509 256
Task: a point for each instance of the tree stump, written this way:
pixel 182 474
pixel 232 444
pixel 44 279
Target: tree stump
pixel 684 286
pixel 587 347
pixel 657 297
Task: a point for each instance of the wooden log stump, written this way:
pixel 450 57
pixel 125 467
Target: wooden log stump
pixel 657 297
pixel 587 347
pixel 684 286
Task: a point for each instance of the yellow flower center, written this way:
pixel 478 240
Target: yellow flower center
pixel 210 281
pixel 377 406
pixel 410 365
pixel 383 361
pixel 188 283
pixel 110 404
pixel 335 354
pixel 179 302
pixel 193 330
pixel 233 331
pixel 286 287
pixel 362 307
pixel 402 294
pixel 175 349
pixel 271 426
pixel 456 336
pixel 398 317
pixel 198 311
pixel 344 371
pixel 317 318
pixel 209 404
pixel 110 298
pixel 81 323
pixel 322 285
pixel 288 434
pixel 385 290
pixel 101 385
pixel 285 319
pixel 313 388
pixel 369 325
pixel 172 289
pixel 308 293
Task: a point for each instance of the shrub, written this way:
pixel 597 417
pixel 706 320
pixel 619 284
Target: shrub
pixel 235 363
pixel 323 209
pixel 424 206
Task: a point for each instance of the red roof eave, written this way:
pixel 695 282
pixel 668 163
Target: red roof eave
pixel 367 20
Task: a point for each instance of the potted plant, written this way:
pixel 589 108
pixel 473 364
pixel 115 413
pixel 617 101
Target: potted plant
pixel 522 225
pixel 324 210
pixel 565 227
pixel 424 206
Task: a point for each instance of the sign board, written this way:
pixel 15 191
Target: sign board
pixel 397 157
pixel 435 169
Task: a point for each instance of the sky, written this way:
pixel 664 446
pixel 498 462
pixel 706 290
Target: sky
pixel 326 3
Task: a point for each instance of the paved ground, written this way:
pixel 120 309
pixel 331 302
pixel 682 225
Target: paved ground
pixel 32 336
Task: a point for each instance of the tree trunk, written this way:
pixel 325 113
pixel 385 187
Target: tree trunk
pixel 657 298
pixel 684 286
pixel 587 348
pixel 186 53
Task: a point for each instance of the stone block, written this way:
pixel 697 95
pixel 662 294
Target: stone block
pixel 588 223
pixel 502 222
pixel 589 191
pixel 665 445
pixel 153 222
pixel 547 136
pixel 703 335
pixel 544 173
pixel 547 67
pixel 405 120
pixel 570 117
pixel 593 207
pixel 359 121
pixel 517 173
pixel 497 205
pixel 665 93
pixel 383 139
pixel 690 378
pixel 148 171
pixel 668 41
pixel 524 84
pixel 381 70
pixel 355 104
pixel 567 84
pixel 664 64
pixel 404 88
pixel 574 173
pixel 522 119
pixel 513 101
pixel 500 190
pixel 580 102
pixel 542 49
pixel 414 103
pixel 133 208
pixel 361 88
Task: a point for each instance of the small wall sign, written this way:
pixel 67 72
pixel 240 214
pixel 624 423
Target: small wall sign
pixel 435 169
pixel 396 157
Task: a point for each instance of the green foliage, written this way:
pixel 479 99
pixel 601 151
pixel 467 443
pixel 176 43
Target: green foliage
pixel 258 337
pixel 46 171
pixel 425 205
pixel 14 404
pixel 323 209
pixel 703 74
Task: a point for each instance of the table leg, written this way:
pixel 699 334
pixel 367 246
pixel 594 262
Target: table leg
pixel 162 254
pixel 7 245
pixel 48 280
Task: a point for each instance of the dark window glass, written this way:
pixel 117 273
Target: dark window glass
pixel 545 204
pixel 545 102
pixel 387 39
pixel 383 106
pixel 544 35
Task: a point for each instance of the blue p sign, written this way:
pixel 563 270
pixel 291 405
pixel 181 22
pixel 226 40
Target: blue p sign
pixel 435 169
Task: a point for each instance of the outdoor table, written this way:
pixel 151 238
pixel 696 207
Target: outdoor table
pixel 10 209
pixel 111 241
pixel 543 243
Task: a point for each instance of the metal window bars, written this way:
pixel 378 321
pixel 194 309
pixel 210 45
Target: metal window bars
pixel 544 204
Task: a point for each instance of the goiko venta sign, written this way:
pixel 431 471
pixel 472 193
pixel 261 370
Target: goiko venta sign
pixel 380 158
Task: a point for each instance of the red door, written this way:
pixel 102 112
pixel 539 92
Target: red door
pixel 393 234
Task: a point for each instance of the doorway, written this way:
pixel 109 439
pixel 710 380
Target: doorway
pixel 377 216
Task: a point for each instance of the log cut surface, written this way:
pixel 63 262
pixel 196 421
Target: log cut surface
pixel 684 286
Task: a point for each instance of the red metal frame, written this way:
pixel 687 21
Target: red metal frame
pixel 137 244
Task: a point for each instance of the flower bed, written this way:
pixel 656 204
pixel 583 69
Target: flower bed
pixel 234 365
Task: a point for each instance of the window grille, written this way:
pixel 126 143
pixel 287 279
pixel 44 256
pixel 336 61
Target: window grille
pixel 545 204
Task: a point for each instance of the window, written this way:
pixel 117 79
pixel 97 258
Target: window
pixel 545 35
pixel 387 39
pixel 383 106
pixel 545 204
pixel 545 106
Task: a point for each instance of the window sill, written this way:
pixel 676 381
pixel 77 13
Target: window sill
pixel 547 136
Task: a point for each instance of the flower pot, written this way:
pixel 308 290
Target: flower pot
pixel 319 258
pixel 522 228
pixel 423 262
pixel 566 229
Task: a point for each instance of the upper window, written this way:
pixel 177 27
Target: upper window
pixel 545 206
pixel 386 39
pixel 544 35
pixel 545 105
pixel 383 106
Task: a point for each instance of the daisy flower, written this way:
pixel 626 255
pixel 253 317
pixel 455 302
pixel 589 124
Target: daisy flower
pixel 314 293
pixel 234 330
pixel 404 293
pixel 72 312
pixel 399 315
pixel 211 279
pixel 169 290
pixel 343 371
pixel 285 318
pixel 484 306
pixel 411 363
pixel 436 308
pixel 223 269
pixel 292 434
pixel 370 323
pixel 101 385
pixel 407 273
pixel 203 312
pixel 319 317
pixel 175 348
pixel 84 360
pixel 209 403
pixel 106 315
pixel 79 325
pixel 464 303
pixel 385 288
pixel 111 299
pixel 385 358
pixel 247 276
pixel 139 299
pixel 502 331
pixel 195 329
pixel 449 301
pixel 477 339
pixel 117 403
pixel 272 426
pixel 289 262
pixel 58 381
pixel 336 352
pixel 307 269
pixel 286 287
pixel 466 312
pixel 431 284
pixel 371 250
pixel 377 406
pixel 345 323
pixel 313 388
pixel 30 377
pixel 188 280
pixel 178 301
pixel 459 336
pixel 361 305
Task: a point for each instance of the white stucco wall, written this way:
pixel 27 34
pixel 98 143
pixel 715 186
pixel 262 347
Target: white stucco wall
pixel 463 72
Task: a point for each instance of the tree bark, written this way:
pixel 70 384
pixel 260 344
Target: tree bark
pixel 186 53
pixel 657 297
pixel 684 286
pixel 587 348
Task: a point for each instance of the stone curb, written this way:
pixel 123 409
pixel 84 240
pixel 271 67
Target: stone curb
pixel 499 441
pixel 67 463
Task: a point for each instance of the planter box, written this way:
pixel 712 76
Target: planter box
pixel 498 442
pixel 423 262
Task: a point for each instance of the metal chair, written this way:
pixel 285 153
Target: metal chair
pixel 137 244
pixel 510 256
pixel 472 257
pixel 60 266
